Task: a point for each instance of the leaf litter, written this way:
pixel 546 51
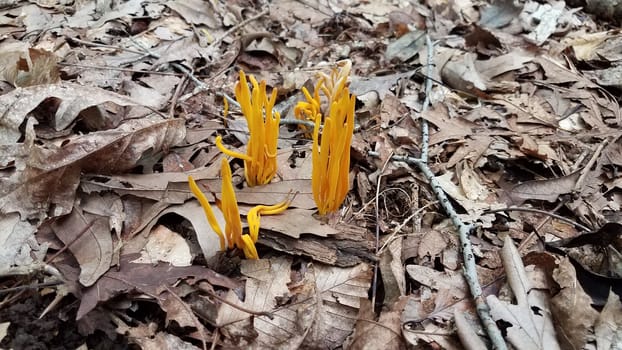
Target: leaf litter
pixel 106 109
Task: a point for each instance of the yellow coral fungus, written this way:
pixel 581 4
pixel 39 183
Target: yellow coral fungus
pixel 333 85
pixel 263 126
pixel 331 150
pixel 229 208
pixel 331 155
pixel 209 213
pixel 254 216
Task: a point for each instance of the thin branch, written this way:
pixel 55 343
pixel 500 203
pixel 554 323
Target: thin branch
pixel 239 307
pixel 375 280
pixel 93 44
pixel 588 166
pixel 470 271
pixel 238 26
pixel 425 128
pixel 144 71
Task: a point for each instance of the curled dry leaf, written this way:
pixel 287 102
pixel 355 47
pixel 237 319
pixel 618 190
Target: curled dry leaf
pixel 74 98
pixel 47 177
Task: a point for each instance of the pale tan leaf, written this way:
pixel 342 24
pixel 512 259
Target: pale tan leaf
pixel 167 246
pixel 17 240
pixel 92 250
pixel 193 212
pixel 608 327
pixel 548 190
pixel 530 325
pixel 294 222
pixel 330 299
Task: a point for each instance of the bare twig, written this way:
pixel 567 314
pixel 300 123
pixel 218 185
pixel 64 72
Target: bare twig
pixel 588 166
pixel 425 129
pixel 241 308
pixel 470 272
pixel 144 71
pixel 238 26
pixel 90 43
pixel 180 86
pixel 375 280
pixel 31 286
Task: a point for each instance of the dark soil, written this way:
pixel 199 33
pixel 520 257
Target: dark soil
pixel 56 330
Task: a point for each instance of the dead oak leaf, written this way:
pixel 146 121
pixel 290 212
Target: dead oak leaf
pixel 47 176
pixel 74 98
pixel 144 278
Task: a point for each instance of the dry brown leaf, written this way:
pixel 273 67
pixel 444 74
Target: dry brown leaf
pixel 547 190
pixel 448 128
pixel 383 334
pixel 173 188
pixel 74 98
pixel 329 299
pixel 432 244
pixel 28 67
pixel 295 222
pixel 381 84
pixel 501 64
pixel 571 308
pixel 450 281
pixel 47 177
pixel 197 12
pixel 92 250
pixel 460 73
pixel 144 278
pixel 392 272
pixel 147 337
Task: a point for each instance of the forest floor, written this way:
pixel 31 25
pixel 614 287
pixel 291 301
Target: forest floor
pixel 484 176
